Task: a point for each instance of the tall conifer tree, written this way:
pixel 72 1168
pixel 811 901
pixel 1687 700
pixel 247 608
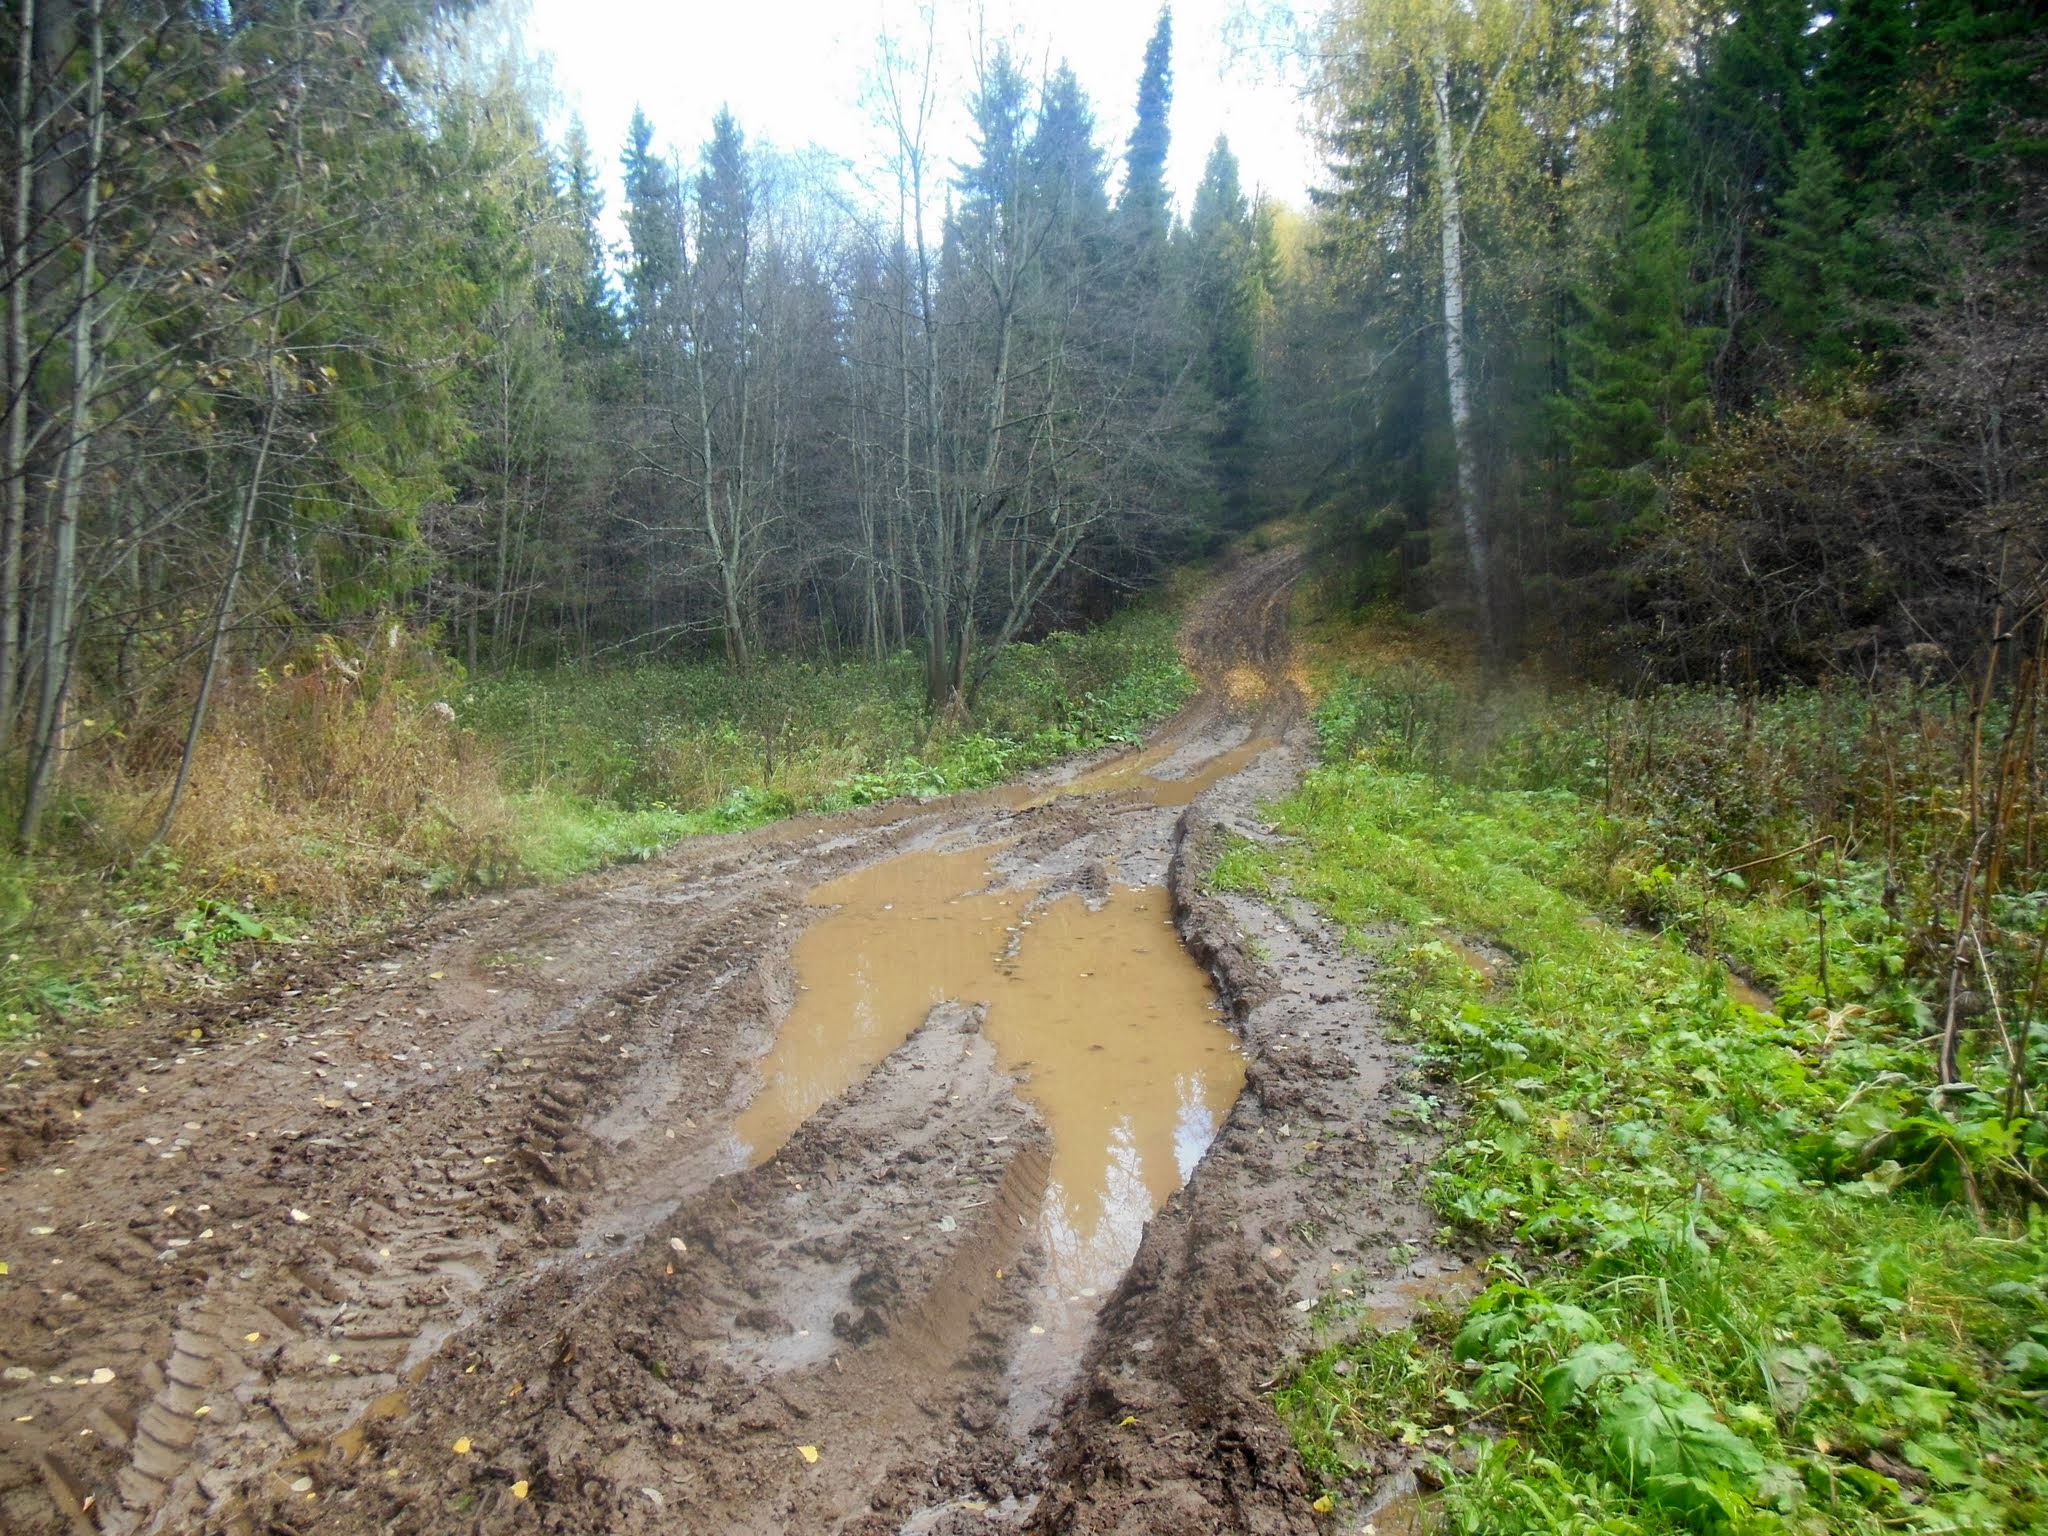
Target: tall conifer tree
pixel 1142 205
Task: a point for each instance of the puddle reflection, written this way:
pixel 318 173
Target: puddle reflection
pixel 1110 1027
pixel 1115 1035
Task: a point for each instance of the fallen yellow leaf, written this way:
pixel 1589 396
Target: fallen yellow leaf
pixel 1324 1505
pixel 808 1452
pixel 3 1269
pixel 521 1488
pixel 1127 1421
pixel 462 1446
pixel 252 1338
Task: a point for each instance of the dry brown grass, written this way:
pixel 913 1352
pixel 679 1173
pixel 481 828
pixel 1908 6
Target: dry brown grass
pixel 324 786
pixel 1329 641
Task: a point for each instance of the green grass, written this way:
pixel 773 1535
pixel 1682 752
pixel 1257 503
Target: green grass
pixel 1737 1284
pixel 800 734
pixel 566 835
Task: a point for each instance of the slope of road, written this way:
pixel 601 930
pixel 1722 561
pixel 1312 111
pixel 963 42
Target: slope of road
pixel 455 1234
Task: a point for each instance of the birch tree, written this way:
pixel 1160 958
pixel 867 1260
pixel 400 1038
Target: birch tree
pixel 1459 58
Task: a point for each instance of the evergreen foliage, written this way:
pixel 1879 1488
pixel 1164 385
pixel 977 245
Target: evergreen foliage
pixel 1142 206
pixel 1228 256
pixel 1677 227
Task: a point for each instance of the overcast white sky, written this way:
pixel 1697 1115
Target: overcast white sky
pixel 793 72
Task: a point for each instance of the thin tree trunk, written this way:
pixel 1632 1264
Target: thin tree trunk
pixel 252 496
pixel 14 518
pixel 224 608
pixel 504 550
pixel 61 623
pixel 1455 379
pixel 128 655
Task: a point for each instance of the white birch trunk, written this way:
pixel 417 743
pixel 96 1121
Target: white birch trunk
pixel 1470 520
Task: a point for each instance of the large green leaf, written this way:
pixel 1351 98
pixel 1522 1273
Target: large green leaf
pixel 1565 1383
pixel 1668 1441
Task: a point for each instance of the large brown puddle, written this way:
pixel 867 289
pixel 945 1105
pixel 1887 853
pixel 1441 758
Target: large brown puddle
pixel 1109 1025
pixel 910 933
pixel 1114 1033
pixel 1135 772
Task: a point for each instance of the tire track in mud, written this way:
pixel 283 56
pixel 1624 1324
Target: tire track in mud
pixel 478 1186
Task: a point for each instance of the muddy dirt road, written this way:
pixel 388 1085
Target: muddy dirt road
pixel 903 1171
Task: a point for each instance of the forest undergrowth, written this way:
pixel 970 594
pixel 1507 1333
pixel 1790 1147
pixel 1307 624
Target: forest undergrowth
pixel 1680 963
pixel 347 783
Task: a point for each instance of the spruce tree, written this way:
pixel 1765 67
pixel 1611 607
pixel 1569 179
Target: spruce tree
pixel 1868 49
pixel 1222 294
pixel 1063 160
pixel 725 231
pixel 581 298
pixel 1636 398
pixel 653 265
pixel 1142 206
pixel 1805 267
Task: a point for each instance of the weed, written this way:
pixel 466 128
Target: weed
pixel 1759 1271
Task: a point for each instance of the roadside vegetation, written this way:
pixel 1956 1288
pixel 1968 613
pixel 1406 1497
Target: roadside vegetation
pixel 346 784
pixel 1758 1165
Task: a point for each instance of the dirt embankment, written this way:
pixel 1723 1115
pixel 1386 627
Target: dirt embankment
pixel 456 1234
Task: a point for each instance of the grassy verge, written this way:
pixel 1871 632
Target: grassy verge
pixel 720 751
pixel 343 786
pixel 1751 1272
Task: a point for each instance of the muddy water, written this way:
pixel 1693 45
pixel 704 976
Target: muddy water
pixel 1136 773
pixel 1114 1033
pixel 1743 990
pixel 910 933
pixel 1110 1027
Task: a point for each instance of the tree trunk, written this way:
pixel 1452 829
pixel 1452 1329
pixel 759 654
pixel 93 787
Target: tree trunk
pixel 736 648
pixel 252 496
pixel 504 550
pixel 14 518
pixel 224 606
pixel 60 623
pixel 1470 520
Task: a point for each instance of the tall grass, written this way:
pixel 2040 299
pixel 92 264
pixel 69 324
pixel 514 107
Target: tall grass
pixel 799 732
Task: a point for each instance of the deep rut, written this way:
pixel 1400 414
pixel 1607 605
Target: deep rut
pixel 454 1234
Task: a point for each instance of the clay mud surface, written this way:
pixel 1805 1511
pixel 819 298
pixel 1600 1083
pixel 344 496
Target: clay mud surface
pixel 944 1167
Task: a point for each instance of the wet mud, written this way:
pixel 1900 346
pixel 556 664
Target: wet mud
pixel 964 1165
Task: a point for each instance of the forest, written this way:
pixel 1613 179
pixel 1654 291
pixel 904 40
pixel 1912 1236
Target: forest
pixel 313 329
pixel 1640 427
pixel 1666 341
